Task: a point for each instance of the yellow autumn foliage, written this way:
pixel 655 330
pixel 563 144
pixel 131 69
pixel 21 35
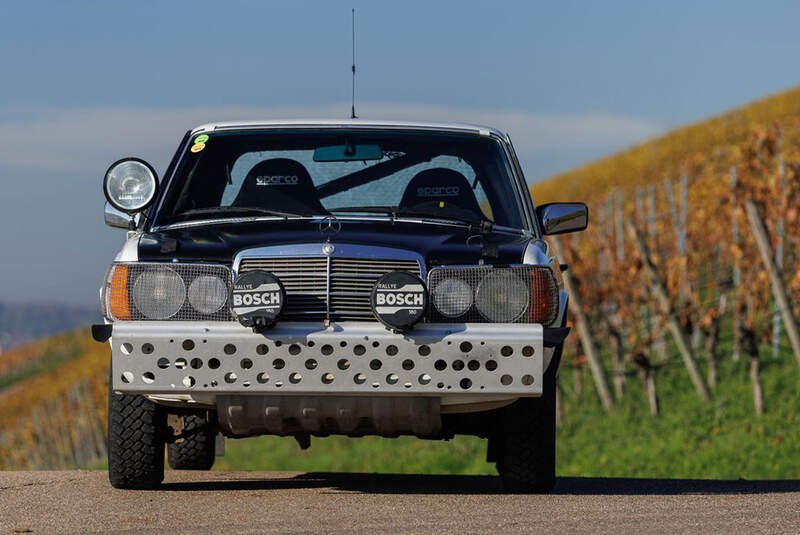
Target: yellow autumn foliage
pixel 673 153
pixel 19 399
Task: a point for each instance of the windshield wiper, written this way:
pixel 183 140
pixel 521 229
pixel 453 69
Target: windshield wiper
pixel 484 225
pixel 243 210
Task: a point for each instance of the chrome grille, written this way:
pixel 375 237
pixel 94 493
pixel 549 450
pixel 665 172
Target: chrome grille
pixel 306 282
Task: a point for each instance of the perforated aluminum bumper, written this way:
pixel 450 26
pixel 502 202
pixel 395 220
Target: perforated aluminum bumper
pixel 351 358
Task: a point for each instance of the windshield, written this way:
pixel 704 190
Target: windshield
pixel 461 177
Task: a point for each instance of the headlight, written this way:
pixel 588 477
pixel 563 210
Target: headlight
pixel 452 297
pixel 130 185
pixel 502 296
pixel 159 293
pixel 207 294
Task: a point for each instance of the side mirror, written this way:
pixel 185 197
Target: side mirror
pixel 115 218
pixel 130 185
pixel 563 217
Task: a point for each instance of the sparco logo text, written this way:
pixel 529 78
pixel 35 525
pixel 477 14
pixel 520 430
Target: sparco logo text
pixel 438 191
pixel 276 180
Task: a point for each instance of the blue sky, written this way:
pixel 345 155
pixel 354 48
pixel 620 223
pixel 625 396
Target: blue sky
pixel 84 83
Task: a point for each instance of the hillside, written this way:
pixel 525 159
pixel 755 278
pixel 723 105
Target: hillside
pixel 53 402
pixel 676 217
pixel 666 155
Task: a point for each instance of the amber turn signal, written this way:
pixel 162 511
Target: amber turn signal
pixel 118 302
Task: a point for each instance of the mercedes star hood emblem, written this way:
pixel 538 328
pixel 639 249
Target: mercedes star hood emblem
pixel 330 225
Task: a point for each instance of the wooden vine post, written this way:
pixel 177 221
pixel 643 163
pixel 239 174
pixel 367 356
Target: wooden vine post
pixel 750 346
pixel 657 332
pixel 737 270
pixel 674 326
pixel 780 233
pixel 711 334
pixel 587 341
pixel 778 287
pixel 646 372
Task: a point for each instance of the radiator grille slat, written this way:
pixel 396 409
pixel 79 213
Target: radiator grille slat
pixel 306 282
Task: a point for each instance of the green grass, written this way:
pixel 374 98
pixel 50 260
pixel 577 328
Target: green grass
pixel 720 439
pixel 689 439
pixel 463 455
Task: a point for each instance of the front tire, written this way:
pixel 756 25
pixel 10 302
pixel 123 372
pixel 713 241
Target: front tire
pixel 527 456
pixel 195 452
pixel 525 445
pixel 136 438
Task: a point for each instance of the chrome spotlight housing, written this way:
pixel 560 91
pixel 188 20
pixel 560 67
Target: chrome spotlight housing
pixel 130 185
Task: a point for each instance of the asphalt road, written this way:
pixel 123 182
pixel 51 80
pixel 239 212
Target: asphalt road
pixel 259 502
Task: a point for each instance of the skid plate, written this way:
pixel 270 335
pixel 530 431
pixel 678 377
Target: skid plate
pixel 348 358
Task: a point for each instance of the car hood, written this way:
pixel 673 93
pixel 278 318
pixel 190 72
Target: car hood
pixel 437 244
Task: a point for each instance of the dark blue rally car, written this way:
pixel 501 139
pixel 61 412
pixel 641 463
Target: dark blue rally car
pixel 311 278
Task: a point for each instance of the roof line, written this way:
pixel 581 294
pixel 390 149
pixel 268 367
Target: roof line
pixel 348 123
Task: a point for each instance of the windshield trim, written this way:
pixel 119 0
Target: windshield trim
pixel 529 207
pixel 523 192
pixel 382 218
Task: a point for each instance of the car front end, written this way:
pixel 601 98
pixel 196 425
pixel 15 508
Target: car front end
pixel 318 311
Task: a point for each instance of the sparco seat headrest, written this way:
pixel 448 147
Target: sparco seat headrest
pixel 280 184
pixel 442 191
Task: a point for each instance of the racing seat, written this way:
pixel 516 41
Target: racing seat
pixel 442 191
pixel 280 184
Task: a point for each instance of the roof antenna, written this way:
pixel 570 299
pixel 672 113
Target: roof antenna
pixel 353 28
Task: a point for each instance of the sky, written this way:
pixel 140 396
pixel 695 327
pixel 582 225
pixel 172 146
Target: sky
pixel 83 84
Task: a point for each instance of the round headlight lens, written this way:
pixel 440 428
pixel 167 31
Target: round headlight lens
pixel 502 296
pixel 207 294
pixel 130 185
pixel 159 293
pixel 452 298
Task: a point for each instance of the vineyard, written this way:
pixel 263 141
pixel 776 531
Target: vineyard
pixel 53 403
pixel 704 243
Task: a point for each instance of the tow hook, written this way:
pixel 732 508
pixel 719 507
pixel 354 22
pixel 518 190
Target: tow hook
pixel 177 431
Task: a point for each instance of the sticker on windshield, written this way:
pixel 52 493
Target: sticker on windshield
pixel 197 147
pixel 202 138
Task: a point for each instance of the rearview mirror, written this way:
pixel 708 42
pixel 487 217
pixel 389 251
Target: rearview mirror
pixel 348 153
pixel 563 217
pixel 115 218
